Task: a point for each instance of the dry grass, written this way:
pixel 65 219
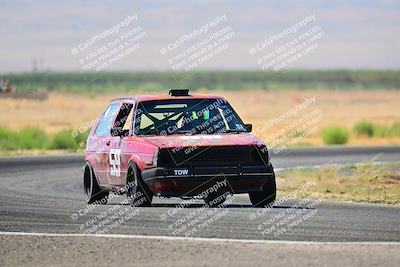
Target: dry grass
pixel 59 111
pixel 62 110
pixel 366 182
pixel 338 107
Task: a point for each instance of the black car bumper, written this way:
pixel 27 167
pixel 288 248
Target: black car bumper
pixel 190 181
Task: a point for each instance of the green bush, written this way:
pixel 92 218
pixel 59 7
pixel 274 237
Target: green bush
pixel 381 131
pixel 364 128
pixel 335 135
pixel 32 138
pixel 376 130
pixel 81 138
pixel 9 140
pixel 64 140
pixel 28 138
pixel 395 129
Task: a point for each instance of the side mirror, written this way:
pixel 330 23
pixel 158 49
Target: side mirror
pixel 117 132
pixel 249 127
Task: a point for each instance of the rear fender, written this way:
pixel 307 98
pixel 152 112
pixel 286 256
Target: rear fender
pixel 91 159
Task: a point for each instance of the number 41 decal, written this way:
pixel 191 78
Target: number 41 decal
pixel 115 162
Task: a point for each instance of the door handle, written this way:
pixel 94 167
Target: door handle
pixel 108 143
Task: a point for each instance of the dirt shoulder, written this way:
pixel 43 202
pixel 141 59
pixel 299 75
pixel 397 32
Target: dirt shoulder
pixel 366 182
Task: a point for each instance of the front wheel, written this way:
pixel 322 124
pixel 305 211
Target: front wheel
pixel 92 190
pixel 138 193
pixel 267 196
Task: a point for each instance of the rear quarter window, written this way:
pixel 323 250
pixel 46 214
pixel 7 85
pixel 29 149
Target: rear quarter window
pixel 104 126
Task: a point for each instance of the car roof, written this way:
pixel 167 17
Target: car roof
pixel 141 98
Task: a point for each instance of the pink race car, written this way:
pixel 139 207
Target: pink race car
pixel 176 145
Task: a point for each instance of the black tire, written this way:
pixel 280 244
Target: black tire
pixel 92 190
pixel 267 196
pixel 139 195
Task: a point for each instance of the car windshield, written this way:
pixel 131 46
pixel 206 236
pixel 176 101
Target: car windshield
pixel 186 116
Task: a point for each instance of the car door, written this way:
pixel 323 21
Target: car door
pixel 100 143
pixel 117 158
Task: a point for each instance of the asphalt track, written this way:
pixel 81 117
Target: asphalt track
pixel 44 195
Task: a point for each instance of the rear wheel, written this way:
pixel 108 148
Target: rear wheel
pixel 267 196
pixel 92 190
pixel 138 193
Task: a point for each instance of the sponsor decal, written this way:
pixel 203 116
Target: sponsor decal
pixel 181 172
pixel 115 162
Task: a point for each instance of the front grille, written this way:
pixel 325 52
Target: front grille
pixel 212 156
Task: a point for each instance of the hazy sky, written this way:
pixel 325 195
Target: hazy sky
pixel 357 34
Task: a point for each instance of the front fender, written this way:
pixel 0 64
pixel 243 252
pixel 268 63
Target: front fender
pixel 138 161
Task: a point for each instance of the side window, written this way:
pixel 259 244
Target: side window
pixel 128 121
pixel 105 123
pixel 145 121
pixel 124 118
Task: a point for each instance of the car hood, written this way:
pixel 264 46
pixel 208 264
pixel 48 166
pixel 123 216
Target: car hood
pixel 172 141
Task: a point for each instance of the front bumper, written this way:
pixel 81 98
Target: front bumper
pixel 190 181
